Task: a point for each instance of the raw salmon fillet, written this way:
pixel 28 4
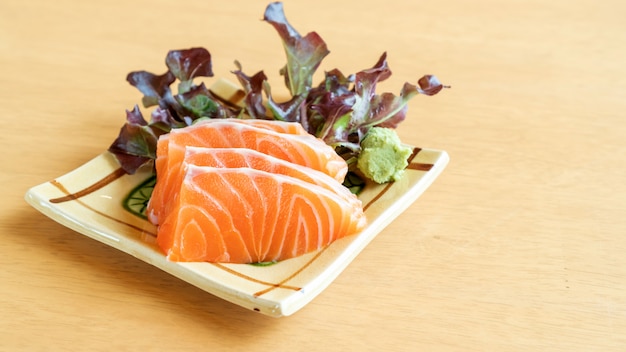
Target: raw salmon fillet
pixel 244 215
pixel 283 140
pixel 274 125
pixel 243 157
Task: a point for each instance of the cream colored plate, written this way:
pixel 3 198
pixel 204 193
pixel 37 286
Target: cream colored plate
pixel 91 200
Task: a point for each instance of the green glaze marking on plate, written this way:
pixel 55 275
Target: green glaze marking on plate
pixel 137 200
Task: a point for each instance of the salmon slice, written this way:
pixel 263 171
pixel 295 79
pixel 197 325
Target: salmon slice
pixel 243 157
pixel 303 149
pixel 274 125
pixel 283 140
pixel 161 161
pixel 244 215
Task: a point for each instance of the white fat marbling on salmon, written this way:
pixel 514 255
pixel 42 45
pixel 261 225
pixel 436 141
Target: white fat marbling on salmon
pixel 222 157
pixel 309 218
pixel 304 149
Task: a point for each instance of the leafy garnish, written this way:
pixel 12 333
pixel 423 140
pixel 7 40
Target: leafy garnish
pixel 340 110
pixel 136 143
pixel 304 54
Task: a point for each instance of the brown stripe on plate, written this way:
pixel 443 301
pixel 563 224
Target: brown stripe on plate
pixel 380 194
pixel 294 274
pixel 252 279
pixel 233 100
pixel 90 189
pixel 412 165
pixel 62 188
pixel 418 166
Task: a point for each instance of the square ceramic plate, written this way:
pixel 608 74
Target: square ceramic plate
pixel 100 201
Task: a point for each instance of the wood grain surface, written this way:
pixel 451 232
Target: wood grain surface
pixel 520 245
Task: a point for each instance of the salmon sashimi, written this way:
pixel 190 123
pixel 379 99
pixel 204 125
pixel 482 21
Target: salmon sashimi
pixel 303 149
pixel 273 138
pixel 243 157
pixel 274 125
pixel 244 215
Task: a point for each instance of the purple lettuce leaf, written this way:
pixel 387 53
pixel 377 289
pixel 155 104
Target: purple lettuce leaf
pixel 292 110
pixel 199 102
pixel 304 54
pixel 344 115
pixel 253 86
pixel 430 85
pixel 332 98
pixel 335 83
pixel 188 64
pixel 340 110
pixel 163 120
pixel 136 142
pixel 346 112
pixel 155 88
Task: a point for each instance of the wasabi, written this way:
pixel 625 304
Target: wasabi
pixel 383 158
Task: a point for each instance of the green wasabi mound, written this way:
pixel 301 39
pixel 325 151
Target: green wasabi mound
pixel 383 158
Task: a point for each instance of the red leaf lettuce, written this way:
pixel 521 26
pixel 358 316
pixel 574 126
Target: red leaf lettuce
pixel 340 109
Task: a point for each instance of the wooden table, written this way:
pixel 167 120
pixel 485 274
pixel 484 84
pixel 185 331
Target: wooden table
pixel 519 245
